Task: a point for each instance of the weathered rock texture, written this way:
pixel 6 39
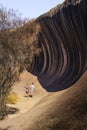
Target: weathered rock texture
pixel 63 41
pixel 53 47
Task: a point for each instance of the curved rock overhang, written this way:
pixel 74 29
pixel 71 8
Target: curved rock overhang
pixel 63 41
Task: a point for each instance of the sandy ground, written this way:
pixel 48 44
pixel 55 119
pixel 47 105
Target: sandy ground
pixel 24 104
pixel 28 107
pixel 45 109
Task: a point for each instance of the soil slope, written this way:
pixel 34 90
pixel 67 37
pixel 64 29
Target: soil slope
pixel 63 110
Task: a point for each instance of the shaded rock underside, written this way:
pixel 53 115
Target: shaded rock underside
pixel 63 41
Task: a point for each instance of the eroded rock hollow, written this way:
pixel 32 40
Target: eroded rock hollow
pixel 63 41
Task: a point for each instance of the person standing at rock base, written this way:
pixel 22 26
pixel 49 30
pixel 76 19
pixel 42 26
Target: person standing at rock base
pixel 32 89
pixel 27 88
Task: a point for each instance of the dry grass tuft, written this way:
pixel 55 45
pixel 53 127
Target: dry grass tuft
pixel 12 98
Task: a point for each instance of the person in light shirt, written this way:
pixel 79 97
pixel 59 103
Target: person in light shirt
pixel 32 89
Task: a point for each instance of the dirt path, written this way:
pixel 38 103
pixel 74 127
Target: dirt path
pixel 45 110
pixel 37 113
pixel 25 104
pixel 29 108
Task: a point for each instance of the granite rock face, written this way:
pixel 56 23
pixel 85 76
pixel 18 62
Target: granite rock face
pixel 53 47
pixel 63 41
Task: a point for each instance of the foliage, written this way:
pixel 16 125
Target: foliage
pixel 17 49
pixel 9 67
pixel 12 98
pixel 8 74
pixel 11 19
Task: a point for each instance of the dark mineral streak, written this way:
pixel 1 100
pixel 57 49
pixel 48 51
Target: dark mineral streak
pixel 63 41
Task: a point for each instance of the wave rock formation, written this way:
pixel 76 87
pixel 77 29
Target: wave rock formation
pixel 63 41
pixel 53 47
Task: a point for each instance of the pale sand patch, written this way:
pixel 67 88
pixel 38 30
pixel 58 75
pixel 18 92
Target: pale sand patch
pixel 26 103
pixel 29 108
